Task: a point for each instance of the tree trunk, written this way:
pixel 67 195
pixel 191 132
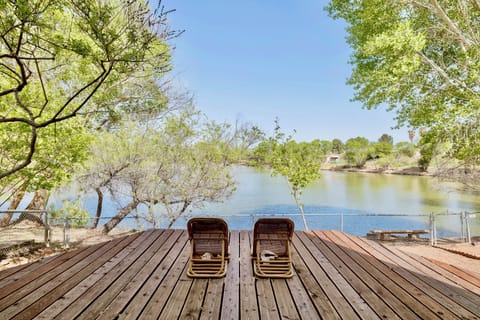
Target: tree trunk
pixel 38 202
pixel 99 207
pixel 120 215
pixel 179 214
pixel 300 207
pixel 16 199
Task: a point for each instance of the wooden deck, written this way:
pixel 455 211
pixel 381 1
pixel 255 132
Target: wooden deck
pixel 337 276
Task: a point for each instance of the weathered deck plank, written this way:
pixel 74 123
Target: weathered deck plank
pixel 231 293
pixel 320 277
pixel 98 293
pixel 145 294
pixel 248 294
pixel 68 299
pixel 159 299
pixel 43 293
pixel 438 287
pixel 120 301
pixel 403 290
pixel 442 281
pixel 211 307
pixel 285 302
pixel 370 290
pixel 444 306
pixel 266 301
pixel 336 276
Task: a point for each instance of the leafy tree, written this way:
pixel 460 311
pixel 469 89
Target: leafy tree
pixel 386 138
pixel 385 162
pixel 234 142
pixel 422 59
pixel 56 56
pixel 262 154
pixel 58 147
pixel 428 145
pixel 357 151
pixel 72 210
pixel 246 135
pixel 381 149
pixel 405 148
pixel 291 160
pixel 337 146
pixel 323 147
pixel 171 168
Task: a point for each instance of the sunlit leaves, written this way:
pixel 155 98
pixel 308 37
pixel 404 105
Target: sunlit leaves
pixel 171 167
pixel 63 58
pixel 421 59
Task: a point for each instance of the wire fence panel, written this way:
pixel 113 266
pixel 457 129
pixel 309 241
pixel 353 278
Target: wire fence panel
pixel 38 227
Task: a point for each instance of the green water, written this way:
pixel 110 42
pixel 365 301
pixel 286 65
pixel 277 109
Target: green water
pixel 350 193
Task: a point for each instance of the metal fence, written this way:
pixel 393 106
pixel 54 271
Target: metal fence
pixel 59 231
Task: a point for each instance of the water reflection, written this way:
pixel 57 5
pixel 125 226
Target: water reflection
pixel 258 193
pixel 338 192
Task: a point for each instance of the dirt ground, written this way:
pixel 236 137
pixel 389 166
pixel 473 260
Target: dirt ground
pixel 24 243
pixel 462 255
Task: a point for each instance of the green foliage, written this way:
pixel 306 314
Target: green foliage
pixel 176 165
pixel 337 146
pixel 427 151
pixel 381 149
pixel 385 162
pixel 296 162
pixel 385 138
pixel 60 60
pixel 262 154
pixel 323 147
pixel 298 165
pixel 421 59
pixel 78 217
pixel 405 148
pixel 357 151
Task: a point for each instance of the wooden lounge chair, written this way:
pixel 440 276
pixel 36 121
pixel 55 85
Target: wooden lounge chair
pixel 271 248
pixel 209 247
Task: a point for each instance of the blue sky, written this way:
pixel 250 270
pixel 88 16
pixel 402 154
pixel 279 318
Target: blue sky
pixel 258 60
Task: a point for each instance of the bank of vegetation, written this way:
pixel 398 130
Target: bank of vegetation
pixel 354 154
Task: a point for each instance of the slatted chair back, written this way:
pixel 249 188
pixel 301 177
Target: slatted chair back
pixel 209 247
pixel 271 248
pixel 207 232
pixel 274 235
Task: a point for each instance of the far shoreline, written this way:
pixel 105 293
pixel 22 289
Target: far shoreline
pixel 413 171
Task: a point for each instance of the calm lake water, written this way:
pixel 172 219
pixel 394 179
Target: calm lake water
pixel 258 193
pixel 407 200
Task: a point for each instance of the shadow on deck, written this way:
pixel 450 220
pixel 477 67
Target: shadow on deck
pixel 337 276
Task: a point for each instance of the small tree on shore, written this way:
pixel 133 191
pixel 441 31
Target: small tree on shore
pixel 292 161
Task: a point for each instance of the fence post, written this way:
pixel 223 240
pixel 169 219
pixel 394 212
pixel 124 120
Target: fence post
pixel 433 230
pixel 47 231
pixel 467 224
pixel 66 235
pixel 462 226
